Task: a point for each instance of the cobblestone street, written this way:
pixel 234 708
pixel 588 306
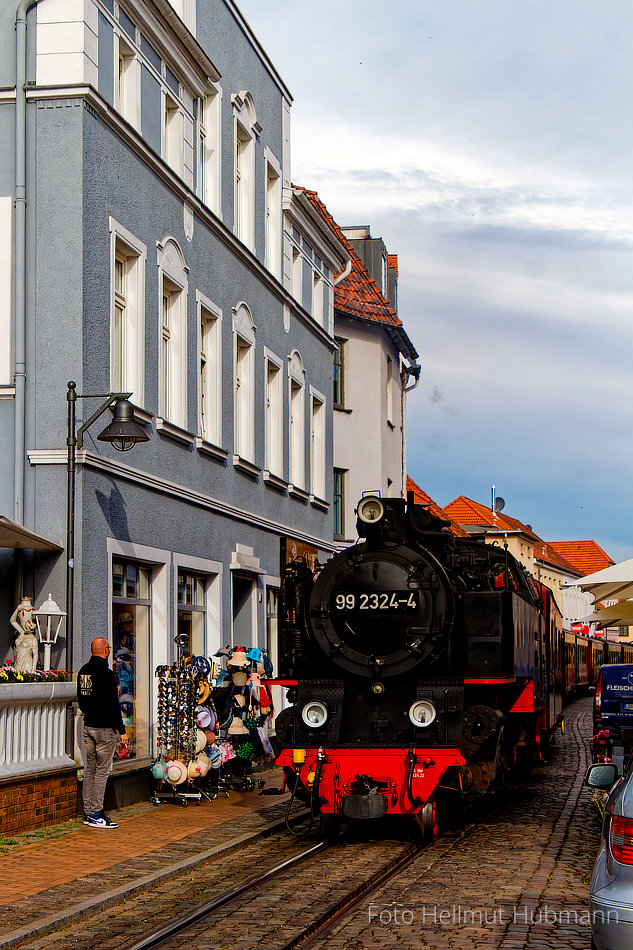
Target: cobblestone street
pixel 515 876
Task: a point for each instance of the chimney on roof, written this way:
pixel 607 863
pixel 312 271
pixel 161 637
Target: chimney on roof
pixel 373 254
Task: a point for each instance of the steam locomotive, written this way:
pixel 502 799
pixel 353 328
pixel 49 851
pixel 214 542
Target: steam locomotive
pixel 419 665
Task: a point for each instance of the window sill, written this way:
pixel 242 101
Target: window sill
pixel 141 415
pixel 213 451
pixel 347 412
pixel 7 392
pixel 317 502
pixel 247 468
pixel 274 481
pixel 174 432
pixel 298 493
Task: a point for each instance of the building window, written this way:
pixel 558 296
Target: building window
pixel 297 274
pixel 208 163
pixel 317 453
pixel 274 418
pixel 192 606
pixel 127 88
pixel 296 433
pixel 244 435
pixel 172 134
pixel 247 129
pixel 127 313
pixel 244 610
pixel 339 373
pixel 209 373
pixel 131 603
pixel 172 358
pixel 273 217
pixel 339 503
pixel 317 297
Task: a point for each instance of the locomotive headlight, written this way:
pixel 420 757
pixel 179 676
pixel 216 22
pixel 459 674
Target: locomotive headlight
pixel 422 713
pixel 314 714
pixel 378 688
pixel 370 509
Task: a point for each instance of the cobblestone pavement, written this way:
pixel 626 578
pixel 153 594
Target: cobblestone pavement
pixel 516 877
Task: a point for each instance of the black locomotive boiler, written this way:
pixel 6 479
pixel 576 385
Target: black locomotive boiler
pixel 417 663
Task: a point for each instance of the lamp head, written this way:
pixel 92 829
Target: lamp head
pixel 124 431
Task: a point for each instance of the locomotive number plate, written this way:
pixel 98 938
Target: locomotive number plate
pixel 384 601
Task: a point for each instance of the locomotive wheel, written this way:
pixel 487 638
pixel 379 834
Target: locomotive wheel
pixel 430 820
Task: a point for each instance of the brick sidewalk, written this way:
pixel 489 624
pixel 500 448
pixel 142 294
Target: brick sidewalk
pixel 67 870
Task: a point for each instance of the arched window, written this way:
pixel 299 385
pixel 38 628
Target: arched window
pixel 246 130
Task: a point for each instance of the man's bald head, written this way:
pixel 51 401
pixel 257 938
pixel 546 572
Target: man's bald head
pixel 100 647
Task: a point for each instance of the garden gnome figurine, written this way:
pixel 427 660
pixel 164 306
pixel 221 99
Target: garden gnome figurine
pixel 26 642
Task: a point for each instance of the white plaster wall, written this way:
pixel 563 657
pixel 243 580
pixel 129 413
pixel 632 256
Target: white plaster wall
pixel 67 42
pixel 6 214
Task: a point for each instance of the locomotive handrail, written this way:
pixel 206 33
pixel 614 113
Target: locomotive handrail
pixel 417 801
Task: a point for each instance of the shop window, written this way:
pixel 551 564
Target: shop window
pixel 192 608
pixel 131 605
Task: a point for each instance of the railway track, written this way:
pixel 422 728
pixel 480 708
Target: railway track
pixel 349 870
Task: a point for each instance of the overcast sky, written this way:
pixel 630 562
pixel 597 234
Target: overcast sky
pixel 490 144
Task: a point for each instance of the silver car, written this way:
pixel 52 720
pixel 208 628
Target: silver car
pixel 611 892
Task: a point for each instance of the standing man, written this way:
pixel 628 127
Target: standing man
pixel 98 699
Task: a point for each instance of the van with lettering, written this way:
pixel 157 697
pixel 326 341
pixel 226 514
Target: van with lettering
pixel 613 703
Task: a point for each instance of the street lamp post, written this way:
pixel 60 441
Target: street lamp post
pixel 123 433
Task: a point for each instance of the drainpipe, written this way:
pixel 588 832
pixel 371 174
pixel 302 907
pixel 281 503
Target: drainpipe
pixel 20 256
pixel 413 369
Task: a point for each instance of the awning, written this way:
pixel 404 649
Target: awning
pixel 14 535
pixel 609 584
pixel 617 615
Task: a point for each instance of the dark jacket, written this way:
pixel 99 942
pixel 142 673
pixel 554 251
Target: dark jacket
pixel 98 696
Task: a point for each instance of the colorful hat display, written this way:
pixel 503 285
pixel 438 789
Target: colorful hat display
pixel 210 736
pixel 203 691
pixel 204 764
pixel 223 651
pixel 193 770
pixel 254 654
pixel 240 677
pixel 159 770
pixel 216 758
pixel 176 772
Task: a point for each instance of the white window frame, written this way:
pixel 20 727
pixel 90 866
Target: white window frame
pixel 123 244
pixel 245 130
pixel 273 389
pixel 244 383
pixel 297 273
pixel 172 385
pixel 317 297
pixel 172 132
pixel 209 371
pixel 273 214
pixel 127 81
pixel 212 570
pixel 209 149
pixel 296 421
pixel 318 420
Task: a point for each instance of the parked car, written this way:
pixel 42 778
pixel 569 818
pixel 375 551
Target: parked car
pixel 611 891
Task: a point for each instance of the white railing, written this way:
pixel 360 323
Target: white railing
pixel 33 727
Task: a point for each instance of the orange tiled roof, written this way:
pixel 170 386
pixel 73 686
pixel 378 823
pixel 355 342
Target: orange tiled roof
pixel 586 556
pixel 484 520
pixel 392 262
pixel 421 498
pixel 358 294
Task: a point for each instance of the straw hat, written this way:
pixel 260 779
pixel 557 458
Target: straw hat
pixel 203 691
pixel 204 763
pixel 193 770
pixel 176 772
pixel 237 727
pixel 238 658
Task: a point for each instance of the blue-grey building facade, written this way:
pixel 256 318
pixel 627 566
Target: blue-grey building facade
pixel 144 183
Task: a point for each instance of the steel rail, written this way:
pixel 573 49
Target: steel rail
pixel 318 928
pixel 185 920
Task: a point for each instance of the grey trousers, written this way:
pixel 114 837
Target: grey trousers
pixel 100 748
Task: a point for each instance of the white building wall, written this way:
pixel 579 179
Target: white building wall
pixel 67 42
